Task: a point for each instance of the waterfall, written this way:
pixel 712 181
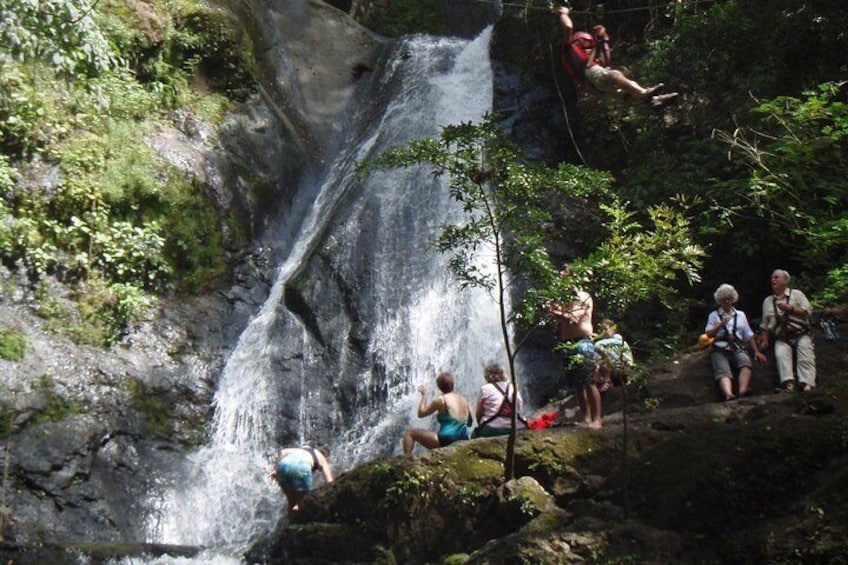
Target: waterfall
pixel 415 320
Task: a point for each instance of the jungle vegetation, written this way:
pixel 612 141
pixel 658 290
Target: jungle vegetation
pixel 754 152
pixel 84 84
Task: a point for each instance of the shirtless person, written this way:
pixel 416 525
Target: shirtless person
pixel 573 326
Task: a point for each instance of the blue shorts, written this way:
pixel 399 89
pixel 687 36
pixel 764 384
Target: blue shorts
pixel 295 473
pixel 579 358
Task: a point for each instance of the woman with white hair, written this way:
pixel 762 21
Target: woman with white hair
pixel 732 337
pixel 498 400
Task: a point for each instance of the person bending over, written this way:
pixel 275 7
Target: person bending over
pixel 293 472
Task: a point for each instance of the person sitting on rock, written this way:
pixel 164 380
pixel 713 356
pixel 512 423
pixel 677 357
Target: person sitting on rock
pixel 498 400
pixel 732 337
pixel 453 413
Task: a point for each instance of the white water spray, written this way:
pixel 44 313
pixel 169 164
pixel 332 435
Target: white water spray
pixel 425 325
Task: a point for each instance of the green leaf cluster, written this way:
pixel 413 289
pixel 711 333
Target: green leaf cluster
pixel 797 154
pixel 508 205
pixel 500 242
pixel 62 33
pixel 401 17
pixel 641 262
pixel 760 138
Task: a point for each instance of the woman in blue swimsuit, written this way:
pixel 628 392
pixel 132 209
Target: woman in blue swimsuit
pixel 453 413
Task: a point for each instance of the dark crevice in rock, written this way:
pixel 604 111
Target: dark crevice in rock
pixel 297 305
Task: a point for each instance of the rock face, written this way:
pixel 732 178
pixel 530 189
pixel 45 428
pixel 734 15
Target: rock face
pixel 87 432
pixel 307 52
pixel 90 431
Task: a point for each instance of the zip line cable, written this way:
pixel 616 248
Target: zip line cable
pixel 565 110
pixel 584 12
pixel 601 12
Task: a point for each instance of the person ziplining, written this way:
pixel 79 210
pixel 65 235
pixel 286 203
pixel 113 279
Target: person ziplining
pixel 587 60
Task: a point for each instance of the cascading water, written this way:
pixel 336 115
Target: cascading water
pixel 413 321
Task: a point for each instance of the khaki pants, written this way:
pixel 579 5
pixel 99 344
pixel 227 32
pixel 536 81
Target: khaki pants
pixel 805 360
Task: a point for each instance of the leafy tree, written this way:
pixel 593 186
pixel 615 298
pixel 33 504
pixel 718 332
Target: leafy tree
pixel 63 33
pixel 639 262
pixel 759 50
pixel 797 154
pixel 506 203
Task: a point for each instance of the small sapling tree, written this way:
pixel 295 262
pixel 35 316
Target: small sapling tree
pixel 506 202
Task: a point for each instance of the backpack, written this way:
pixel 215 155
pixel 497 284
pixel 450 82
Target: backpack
pixel 615 353
pixel 506 408
pixel 730 337
pixel 790 327
pixel 575 55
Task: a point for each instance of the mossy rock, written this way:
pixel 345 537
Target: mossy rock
pixel 13 345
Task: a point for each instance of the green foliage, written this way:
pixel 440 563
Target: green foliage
pixel 28 117
pixel 173 47
pixel 205 41
pixel 759 47
pixel 796 154
pixel 768 93
pixel 63 33
pixel 113 223
pixel 455 559
pixel 638 384
pixel 835 289
pixel 13 345
pixel 8 175
pixel 56 408
pixel 506 203
pixel 119 97
pixel 99 313
pixel 400 17
pixel 195 245
pixel 471 494
pixel 123 304
pixel 411 489
pixel 638 263
pixel 77 226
